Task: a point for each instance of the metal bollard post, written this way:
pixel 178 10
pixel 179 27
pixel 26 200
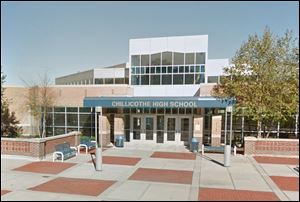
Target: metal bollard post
pixel 234 150
pixel 227 153
pixel 202 149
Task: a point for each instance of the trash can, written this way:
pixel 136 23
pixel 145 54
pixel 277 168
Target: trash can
pixel 194 145
pixel 120 141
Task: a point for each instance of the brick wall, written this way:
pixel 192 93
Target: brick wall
pixel 280 147
pixel 36 147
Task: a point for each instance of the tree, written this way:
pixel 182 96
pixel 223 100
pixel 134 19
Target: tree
pixel 40 98
pixel 264 78
pixel 9 127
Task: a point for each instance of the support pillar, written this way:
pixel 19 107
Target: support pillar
pixel 216 130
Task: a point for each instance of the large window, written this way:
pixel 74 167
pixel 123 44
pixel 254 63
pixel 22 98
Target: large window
pixel 168 68
pixel 135 60
pixel 145 60
pixel 200 58
pixel 190 58
pixel 167 58
pixel 178 58
pixel 155 59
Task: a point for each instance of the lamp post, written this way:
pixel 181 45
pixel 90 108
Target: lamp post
pixel 98 134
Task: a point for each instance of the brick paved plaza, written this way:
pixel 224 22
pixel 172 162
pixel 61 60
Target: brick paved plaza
pixel 154 173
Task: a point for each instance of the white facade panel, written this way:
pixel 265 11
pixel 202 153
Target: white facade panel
pixel 197 43
pixel 165 90
pixel 109 73
pixel 215 67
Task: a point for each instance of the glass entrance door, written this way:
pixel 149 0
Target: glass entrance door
pixel 149 127
pixel 143 128
pixel 171 128
pixel 185 129
pixel 136 127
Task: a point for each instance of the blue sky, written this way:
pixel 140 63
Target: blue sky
pixel 66 37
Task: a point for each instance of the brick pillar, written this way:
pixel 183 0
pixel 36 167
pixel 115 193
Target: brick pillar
pixel 119 125
pixel 105 129
pixel 198 128
pixel 216 125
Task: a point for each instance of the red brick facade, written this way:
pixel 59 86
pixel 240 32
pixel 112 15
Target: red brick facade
pixel 280 147
pixel 36 148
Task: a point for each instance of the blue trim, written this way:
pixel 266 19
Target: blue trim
pixel 157 102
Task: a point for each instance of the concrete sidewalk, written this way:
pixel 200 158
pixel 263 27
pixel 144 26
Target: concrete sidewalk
pixel 244 178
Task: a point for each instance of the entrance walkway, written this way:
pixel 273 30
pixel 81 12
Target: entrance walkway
pixel 148 173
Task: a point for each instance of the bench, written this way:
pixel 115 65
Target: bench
pixel 87 143
pixel 216 149
pixel 64 151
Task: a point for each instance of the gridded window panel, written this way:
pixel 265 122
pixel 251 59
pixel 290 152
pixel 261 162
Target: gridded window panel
pixel 175 69
pixel 99 81
pixel 155 59
pixel 200 58
pixel 142 70
pixel 197 69
pixel 109 80
pixel 190 58
pixel 59 130
pixel 145 80
pixel 135 79
pixel 147 70
pixel 135 60
pixel 170 69
pixel 59 119
pixel 59 109
pixel 178 58
pixel 166 79
pixel 72 120
pixel 189 79
pixel 202 68
pixel 181 69
pixel 132 70
pixel 158 70
pixel 85 120
pixel 186 69
pixel 177 79
pixel 199 78
pixel 119 80
pixel 152 70
pixel 85 109
pixel 155 79
pixel 167 58
pixel 145 60
pixel 192 68
pixel 212 79
pixel 137 70
pixel 72 109
pixel 164 69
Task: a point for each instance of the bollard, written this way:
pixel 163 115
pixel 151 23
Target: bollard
pixel 234 151
pixel 98 159
pixel 227 153
pixel 202 149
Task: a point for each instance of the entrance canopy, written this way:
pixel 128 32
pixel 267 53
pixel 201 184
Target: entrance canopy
pixel 157 102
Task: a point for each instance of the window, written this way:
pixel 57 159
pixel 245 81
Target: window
pixel 109 80
pixel 187 69
pixel 99 81
pixel 175 69
pixel 145 60
pixel 202 68
pixel 190 58
pixel 199 78
pixel 181 69
pixel 166 79
pixel 167 58
pixel 135 79
pixel 164 69
pixel 145 80
pixel 119 80
pixel 135 60
pixel 178 58
pixel 178 79
pixel 59 119
pixel 200 58
pixel 155 79
pixel 155 59
pixel 132 70
pixel 158 70
pixel 72 119
pixel 189 79
pixel 152 70
pixel 170 69
pixel 212 79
